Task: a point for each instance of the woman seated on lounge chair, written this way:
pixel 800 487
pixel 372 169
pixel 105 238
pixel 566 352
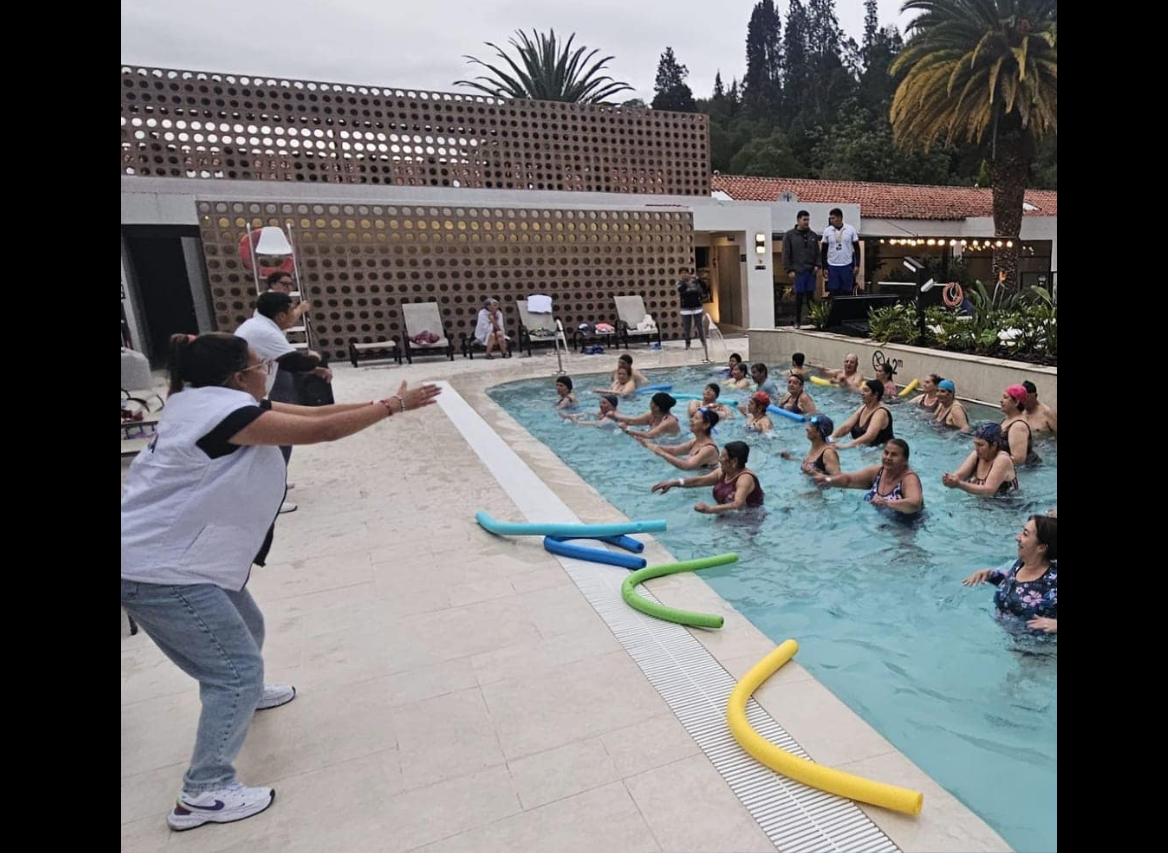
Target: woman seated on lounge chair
pixel 489 330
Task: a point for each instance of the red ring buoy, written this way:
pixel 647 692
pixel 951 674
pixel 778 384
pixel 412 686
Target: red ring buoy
pixel 245 255
pixel 953 295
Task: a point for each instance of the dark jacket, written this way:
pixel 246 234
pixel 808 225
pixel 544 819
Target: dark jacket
pixel 800 250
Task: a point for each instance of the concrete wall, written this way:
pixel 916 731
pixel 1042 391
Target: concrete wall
pixel 745 220
pixel 979 379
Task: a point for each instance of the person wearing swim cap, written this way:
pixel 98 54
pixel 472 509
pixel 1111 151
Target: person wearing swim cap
pixel 659 418
pixel 602 418
pixel 757 419
pixel 988 471
pixel 822 457
pixel 950 412
pixel 699 452
pixel 1017 439
pixel 735 485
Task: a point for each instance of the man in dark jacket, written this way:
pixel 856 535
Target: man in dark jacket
pixel 801 260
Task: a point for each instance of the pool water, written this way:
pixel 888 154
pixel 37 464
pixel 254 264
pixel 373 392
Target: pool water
pixel 876 603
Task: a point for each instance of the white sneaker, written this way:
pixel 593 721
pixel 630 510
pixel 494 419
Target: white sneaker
pixel 288 506
pixel 276 695
pixel 224 805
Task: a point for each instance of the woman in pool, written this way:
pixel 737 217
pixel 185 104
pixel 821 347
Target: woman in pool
pixel 822 457
pixel 659 418
pixel 871 424
pixel 950 412
pixel 739 381
pixel 710 401
pixel 1016 435
pixel 566 399
pixel 891 484
pixel 603 418
pixel 734 359
pixel 1029 588
pixel 757 419
pixel 622 383
pixel 989 470
pixel 797 399
pixel 639 378
pixel 885 373
pixel 735 485
pixel 928 400
pixel 699 452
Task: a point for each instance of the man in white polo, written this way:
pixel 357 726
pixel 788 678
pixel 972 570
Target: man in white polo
pixel 840 255
pixel 264 333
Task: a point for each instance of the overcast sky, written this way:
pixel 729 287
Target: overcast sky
pixel 420 45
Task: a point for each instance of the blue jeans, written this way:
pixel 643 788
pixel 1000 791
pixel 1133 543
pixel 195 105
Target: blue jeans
pixel 215 636
pixel 841 280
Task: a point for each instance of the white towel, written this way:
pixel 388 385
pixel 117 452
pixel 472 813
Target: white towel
pixel 539 304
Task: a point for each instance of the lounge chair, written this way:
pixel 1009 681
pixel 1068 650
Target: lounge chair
pixel 538 328
pixel 424 317
pixel 630 310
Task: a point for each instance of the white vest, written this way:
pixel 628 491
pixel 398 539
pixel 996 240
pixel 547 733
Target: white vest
pixel 187 518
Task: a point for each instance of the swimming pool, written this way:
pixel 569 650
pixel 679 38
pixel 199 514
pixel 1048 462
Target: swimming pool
pixel 876 604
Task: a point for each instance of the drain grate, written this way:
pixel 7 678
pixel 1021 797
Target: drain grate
pixel 694 685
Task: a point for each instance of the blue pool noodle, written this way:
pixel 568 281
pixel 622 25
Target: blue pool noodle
pixel 775 410
pixel 571 531
pixel 649 388
pixel 558 545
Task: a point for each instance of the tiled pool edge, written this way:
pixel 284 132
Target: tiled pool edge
pixel 946 823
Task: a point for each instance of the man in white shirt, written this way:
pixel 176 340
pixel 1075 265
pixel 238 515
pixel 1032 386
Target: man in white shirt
pixel 841 255
pixel 264 334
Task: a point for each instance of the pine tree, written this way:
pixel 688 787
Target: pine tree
pixel 762 86
pixel 797 70
pixel 672 91
pixel 871 26
pixel 719 89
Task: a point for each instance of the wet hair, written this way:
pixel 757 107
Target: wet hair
pixel 936 377
pixel 1046 531
pixel 1030 387
pixel 758 365
pixel 801 214
pixel 835 211
pixel 797 359
pixel 886 369
pixel 626 358
pixel 664 401
pixel 735 357
pixel 274 278
pixel 902 444
pixel 799 377
pixel 612 399
pixel 738 451
pixel 716 388
pixel 709 416
pixel 739 366
pixel 876 387
pixel 208 359
pixel 566 380
pixel 271 304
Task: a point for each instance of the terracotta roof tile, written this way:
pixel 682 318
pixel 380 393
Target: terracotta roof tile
pixel 890 201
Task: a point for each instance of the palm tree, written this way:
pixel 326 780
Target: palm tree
pixel 549 72
pixel 978 67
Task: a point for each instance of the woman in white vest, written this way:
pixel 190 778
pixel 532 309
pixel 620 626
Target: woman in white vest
pixel 196 507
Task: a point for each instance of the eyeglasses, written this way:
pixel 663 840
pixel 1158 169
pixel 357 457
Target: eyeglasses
pixel 267 365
